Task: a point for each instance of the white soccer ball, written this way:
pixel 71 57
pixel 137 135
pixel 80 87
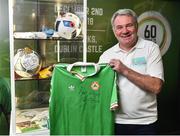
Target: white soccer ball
pixel 27 62
pixel 68 25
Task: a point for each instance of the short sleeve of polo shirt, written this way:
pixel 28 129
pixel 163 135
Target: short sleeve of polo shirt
pixel 154 63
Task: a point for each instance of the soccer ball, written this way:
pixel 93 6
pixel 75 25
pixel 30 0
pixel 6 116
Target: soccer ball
pixel 27 62
pixel 68 25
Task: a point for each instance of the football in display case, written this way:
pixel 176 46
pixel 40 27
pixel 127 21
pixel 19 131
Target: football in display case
pixel 27 62
pixel 68 25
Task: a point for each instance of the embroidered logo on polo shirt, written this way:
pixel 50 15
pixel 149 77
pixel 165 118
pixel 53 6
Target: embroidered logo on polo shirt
pixel 95 86
pixel 139 61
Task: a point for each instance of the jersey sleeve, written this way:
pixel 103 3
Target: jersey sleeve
pixel 114 98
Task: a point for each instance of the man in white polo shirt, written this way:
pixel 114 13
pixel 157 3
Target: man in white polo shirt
pixel 139 65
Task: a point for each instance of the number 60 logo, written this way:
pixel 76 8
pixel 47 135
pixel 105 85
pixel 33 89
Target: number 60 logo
pixel 153 26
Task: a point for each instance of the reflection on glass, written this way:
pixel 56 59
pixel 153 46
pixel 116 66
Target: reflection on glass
pixel 32 93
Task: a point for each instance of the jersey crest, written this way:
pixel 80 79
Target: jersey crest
pixel 95 86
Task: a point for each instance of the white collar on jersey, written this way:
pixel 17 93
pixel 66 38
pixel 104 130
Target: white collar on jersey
pixel 83 64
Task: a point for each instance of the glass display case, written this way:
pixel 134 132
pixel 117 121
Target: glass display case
pixel 42 33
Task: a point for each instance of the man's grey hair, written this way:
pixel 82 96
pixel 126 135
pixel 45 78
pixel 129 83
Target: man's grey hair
pixel 122 12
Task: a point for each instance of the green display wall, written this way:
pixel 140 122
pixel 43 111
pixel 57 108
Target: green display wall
pixel 100 38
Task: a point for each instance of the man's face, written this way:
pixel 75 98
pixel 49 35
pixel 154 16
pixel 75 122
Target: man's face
pixel 125 30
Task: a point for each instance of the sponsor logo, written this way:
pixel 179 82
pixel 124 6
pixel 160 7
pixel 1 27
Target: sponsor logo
pixel 71 87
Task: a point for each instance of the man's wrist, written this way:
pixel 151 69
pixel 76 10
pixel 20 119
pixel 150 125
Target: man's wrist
pixel 125 72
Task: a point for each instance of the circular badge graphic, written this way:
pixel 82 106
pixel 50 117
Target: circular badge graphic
pixel 153 26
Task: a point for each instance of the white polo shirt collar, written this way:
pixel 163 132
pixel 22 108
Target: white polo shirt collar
pixel 117 49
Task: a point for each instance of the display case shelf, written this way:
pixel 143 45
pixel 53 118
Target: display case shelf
pixel 33 78
pixel 80 38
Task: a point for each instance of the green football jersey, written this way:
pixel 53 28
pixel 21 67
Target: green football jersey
pixel 5 106
pixel 82 98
